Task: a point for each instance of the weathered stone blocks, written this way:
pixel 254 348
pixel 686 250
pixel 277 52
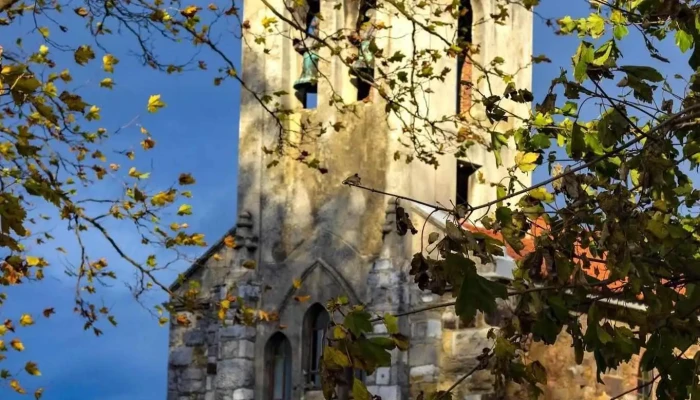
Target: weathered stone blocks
pixel 234 374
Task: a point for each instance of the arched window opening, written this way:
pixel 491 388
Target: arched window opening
pixel 363 68
pixel 645 385
pixel 307 47
pixel 278 365
pixel 464 65
pixel 465 170
pixel 316 322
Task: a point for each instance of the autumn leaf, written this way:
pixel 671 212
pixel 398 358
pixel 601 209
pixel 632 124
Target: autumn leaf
pixel 17 345
pixel 81 11
pixel 249 264
pixel 296 283
pixel 107 83
pixel 108 62
pixel 38 393
pixel 14 384
pixel 148 143
pixel 185 179
pixel 32 369
pixel 184 209
pixel 33 261
pixel 26 320
pixel 230 241
pixel 302 299
pixel 182 320
pixel 154 103
pixel 190 11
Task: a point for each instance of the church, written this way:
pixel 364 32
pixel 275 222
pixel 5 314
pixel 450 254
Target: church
pixel 305 233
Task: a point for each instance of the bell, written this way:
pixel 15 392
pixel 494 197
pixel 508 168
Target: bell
pixel 309 74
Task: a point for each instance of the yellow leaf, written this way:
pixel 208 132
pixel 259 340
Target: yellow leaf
pixel 302 299
pixel 184 209
pixel 230 241
pixel 114 167
pixel 32 369
pixel 526 161
pixel 526 158
pixel 108 62
pixel 3 330
pixel 93 114
pixel 267 21
pixel 264 316
pixel 43 49
pixel 296 283
pixel 17 345
pixel 44 31
pixel 541 194
pixel 33 261
pixel 190 11
pixel 212 7
pixel 81 11
pixel 225 304
pixel 216 257
pixel 14 384
pixel 162 321
pixel 107 83
pixel 26 320
pixel 38 393
pixel 154 103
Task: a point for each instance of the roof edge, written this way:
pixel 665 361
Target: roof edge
pixel 199 262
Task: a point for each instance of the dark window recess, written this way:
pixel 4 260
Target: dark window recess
pixel 364 87
pixel 464 35
pixel 464 171
pixel 211 368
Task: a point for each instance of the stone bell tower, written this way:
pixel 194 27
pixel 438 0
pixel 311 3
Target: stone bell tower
pixel 296 223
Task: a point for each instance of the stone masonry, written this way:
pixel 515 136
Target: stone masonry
pixel 295 223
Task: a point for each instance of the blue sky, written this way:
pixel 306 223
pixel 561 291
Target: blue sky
pixel 197 133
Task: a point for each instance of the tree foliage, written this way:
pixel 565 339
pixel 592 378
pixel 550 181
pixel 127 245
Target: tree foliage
pixel 617 219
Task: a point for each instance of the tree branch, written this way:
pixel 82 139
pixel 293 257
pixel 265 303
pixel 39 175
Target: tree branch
pixel 6 4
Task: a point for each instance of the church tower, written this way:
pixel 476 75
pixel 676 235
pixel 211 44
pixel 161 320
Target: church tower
pixel 296 222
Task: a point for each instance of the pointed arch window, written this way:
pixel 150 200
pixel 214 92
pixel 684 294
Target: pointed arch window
pixel 278 363
pixel 464 65
pixel 645 384
pixel 316 322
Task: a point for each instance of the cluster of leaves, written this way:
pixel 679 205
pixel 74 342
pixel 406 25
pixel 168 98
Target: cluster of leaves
pixel 352 346
pixel 52 152
pixel 617 219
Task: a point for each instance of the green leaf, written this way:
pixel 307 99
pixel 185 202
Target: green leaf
pixel 359 391
pixel 477 293
pixel 643 72
pixel 392 324
pixel 584 56
pixel 335 359
pixel 684 40
pixel 358 322
pixel 620 31
pixel 596 25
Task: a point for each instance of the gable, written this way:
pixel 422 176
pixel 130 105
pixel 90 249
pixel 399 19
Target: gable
pixel 201 262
